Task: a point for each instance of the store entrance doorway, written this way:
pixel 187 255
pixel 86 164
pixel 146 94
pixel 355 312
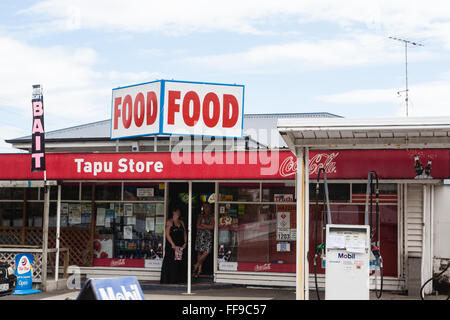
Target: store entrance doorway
pixel 179 198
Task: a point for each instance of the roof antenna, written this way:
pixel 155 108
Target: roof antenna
pixel 406 42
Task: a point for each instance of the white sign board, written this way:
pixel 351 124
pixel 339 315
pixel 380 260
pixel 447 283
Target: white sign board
pixel 177 107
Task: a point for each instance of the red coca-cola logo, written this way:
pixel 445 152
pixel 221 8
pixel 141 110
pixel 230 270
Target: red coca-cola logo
pixel 263 267
pixel 321 160
pixel 120 262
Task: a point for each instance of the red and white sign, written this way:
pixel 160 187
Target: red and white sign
pixel 347 164
pixel 186 108
pixel 135 110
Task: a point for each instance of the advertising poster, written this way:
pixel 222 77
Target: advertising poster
pixel 100 221
pixel 74 213
pixel 145 192
pixel 286 226
pixel 149 224
pixel 128 209
pixel 128 232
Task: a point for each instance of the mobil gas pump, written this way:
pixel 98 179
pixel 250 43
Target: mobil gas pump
pixel 347 252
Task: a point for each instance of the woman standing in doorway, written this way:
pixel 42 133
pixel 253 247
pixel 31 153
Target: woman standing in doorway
pixel 174 268
pixel 204 239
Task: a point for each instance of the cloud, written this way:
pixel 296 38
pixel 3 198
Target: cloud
pixel 425 99
pixel 403 17
pixel 74 91
pixel 307 55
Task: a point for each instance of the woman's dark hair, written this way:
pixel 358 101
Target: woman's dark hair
pixel 172 211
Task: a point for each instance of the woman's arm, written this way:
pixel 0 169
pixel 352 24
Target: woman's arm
pixel 208 226
pixel 185 235
pixel 169 238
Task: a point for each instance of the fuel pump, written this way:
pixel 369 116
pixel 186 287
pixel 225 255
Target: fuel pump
pixel 376 258
pixel 326 219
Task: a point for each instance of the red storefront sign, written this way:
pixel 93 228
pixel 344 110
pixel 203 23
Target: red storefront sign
pixel 339 164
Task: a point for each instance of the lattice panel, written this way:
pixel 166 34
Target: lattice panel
pixel 78 242
pixel 9 257
pixel 10 235
pixel 76 239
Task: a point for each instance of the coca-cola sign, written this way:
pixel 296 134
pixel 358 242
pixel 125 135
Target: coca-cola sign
pixel 320 160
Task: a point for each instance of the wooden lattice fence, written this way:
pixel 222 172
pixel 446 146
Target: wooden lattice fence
pixel 76 239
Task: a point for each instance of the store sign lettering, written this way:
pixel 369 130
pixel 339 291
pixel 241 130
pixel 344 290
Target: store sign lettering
pixel 124 165
pixel 177 107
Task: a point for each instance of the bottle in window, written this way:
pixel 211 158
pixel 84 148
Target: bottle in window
pixel 227 257
pixel 221 251
pixel 159 250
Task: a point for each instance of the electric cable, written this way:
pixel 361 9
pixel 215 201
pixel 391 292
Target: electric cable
pixel 434 278
pixel 375 248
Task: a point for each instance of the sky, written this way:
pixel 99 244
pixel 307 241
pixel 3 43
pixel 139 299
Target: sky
pixel 292 56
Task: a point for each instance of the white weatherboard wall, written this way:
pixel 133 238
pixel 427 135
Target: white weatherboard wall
pixel 414 220
pixel 441 227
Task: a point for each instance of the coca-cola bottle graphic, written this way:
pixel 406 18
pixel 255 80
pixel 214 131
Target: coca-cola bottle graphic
pixel 152 254
pixel 428 169
pixel 418 167
pixel 221 251
pixel 227 257
pixel 159 250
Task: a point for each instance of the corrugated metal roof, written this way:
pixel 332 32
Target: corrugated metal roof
pixel 258 127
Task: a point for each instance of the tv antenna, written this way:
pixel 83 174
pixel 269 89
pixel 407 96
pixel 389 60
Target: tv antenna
pixel 406 42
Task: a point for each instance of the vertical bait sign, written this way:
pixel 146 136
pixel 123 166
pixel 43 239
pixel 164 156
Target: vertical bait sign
pixel 37 133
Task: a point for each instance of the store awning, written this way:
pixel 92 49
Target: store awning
pixel 381 133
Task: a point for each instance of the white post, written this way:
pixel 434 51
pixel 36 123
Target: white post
pixel 58 223
pixel 306 220
pixel 300 279
pixel 189 239
pixel 45 235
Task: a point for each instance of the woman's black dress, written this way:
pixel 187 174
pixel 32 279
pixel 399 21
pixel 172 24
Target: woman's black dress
pixel 174 271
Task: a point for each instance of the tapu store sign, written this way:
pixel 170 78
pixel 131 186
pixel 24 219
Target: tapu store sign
pixel 177 107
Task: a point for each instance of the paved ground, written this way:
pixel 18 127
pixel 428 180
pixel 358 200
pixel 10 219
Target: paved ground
pixel 234 293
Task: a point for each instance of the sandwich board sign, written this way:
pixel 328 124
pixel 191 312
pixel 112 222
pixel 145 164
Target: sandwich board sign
pixel 167 107
pixel 121 288
pixel 24 274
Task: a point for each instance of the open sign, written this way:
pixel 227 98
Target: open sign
pixel 177 107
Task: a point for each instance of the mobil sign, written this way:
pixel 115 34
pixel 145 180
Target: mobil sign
pixel 177 107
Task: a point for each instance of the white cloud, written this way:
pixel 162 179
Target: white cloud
pixel 306 55
pixel 402 17
pixel 425 99
pixel 73 89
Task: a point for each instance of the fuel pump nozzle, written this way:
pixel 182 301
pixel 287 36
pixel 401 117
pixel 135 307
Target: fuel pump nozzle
pixel 368 220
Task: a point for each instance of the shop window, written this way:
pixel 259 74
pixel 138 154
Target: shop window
pixel 53 193
pixel 32 193
pixel 278 192
pixel 143 192
pixel 108 191
pixel 70 191
pixel 129 231
pixel 11 214
pixel 384 188
pixel 35 212
pixel 257 237
pixel 86 191
pixel 241 192
pixel 337 192
pixel 11 193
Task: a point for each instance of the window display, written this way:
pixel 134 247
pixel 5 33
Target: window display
pixel 131 229
pixel 257 236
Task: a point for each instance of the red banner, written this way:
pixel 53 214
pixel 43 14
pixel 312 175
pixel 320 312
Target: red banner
pixel 340 164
